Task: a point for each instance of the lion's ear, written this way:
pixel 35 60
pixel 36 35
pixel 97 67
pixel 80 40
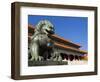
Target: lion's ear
pixel 40 25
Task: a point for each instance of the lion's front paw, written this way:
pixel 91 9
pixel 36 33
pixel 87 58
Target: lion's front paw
pixel 40 58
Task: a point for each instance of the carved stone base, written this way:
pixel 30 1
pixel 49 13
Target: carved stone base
pixel 46 63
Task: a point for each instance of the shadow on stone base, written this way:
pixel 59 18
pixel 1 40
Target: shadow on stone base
pixel 46 63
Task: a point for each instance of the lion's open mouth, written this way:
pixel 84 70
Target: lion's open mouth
pixel 50 32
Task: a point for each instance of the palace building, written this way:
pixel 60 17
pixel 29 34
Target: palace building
pixel 68 50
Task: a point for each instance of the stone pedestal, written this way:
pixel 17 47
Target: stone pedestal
pixel 46 63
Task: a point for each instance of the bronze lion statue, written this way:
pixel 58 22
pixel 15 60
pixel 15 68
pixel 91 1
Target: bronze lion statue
pixel 38 48
pixel 41 47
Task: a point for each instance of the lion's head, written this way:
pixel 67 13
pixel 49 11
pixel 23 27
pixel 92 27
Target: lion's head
pixel 45 26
